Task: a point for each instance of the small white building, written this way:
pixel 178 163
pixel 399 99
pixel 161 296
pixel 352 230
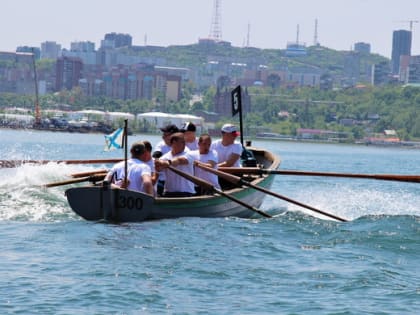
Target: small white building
pixel 159 120
pixel 97 115
pixel 20 120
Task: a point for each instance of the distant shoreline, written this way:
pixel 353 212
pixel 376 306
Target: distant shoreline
pixel 401 144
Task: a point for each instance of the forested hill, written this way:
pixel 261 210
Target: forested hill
pixel 318 57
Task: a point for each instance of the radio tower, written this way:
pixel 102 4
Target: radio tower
pixel 247 35
pixel 316 33
pixel 216 22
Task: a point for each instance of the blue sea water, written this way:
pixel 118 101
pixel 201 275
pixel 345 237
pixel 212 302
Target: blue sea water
pixel 53 262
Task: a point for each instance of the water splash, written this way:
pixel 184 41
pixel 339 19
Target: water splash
pixel 352 199
pixel 23 197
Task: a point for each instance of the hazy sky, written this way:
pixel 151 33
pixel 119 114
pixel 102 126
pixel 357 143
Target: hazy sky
pixel 273 23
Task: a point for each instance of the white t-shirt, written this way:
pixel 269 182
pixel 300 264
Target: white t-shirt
pixel 151 164
pixel 175 182
pixel 223 152
pixel 205 158
pixel 164 148
pixel 192 145
pixel 135 176
pixel 118 170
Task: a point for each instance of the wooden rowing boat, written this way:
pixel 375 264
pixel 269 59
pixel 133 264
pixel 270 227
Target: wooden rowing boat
pixel 102 202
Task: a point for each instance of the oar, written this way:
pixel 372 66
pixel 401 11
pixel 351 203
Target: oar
pixel 203 183
pixel 92 178
pixel 16 163
pixel 239 181
pixel 255 170
pixel 88 173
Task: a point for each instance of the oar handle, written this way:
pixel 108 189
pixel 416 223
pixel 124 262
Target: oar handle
pixel 88 173
pixel 196 180
pixel 242 170
pixel 226 176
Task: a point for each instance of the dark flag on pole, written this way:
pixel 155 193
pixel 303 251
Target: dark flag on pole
pixel 236 100
pixel 237 108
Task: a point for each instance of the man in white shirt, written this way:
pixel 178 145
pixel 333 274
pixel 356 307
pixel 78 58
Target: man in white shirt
pixel 163 146
pixel 178 157
pixel 191 141
pixel 228 150
pixel 149 160
pixel 138 172
pixel 208 158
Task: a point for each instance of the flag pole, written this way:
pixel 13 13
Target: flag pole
pixel 125 153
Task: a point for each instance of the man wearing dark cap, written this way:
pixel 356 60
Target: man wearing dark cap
pixel 191 141
pixel 163 146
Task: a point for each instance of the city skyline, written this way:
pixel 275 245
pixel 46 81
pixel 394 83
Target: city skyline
pixel 264 23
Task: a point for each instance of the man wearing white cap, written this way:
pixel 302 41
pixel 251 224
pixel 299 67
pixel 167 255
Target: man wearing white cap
pixel 228 150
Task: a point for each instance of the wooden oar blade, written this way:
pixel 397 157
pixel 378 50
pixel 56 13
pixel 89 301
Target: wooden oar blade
pixel 92 178
pixel 400 178
pixel 16 163
pixel 67 182
pixel 98 161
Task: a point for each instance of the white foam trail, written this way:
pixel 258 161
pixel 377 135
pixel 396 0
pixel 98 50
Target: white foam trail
pixel 22 196
pixel 350 199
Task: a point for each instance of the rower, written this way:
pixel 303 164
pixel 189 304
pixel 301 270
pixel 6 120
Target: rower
pixel 228 151
pixel 178 157
pixel 163 147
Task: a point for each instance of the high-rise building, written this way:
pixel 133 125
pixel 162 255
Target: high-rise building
pixel 68 72
pixel 414 70
pixel 31 50
pixel 362 47
pixel 86 46
pixel 83 50
pixel 116 40
pixel 352 68
pixel 380 73
pixel 401 46
pixel 50 50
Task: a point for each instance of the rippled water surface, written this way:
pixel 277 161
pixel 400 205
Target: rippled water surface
pixel 53 262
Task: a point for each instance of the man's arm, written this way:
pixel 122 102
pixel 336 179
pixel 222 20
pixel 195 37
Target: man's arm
pixel 233 157
pixel 147 184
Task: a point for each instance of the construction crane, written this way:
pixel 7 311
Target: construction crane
pixel 37 108
pixel 411 22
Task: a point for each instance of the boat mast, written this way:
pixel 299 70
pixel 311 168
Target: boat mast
pixel 37 109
